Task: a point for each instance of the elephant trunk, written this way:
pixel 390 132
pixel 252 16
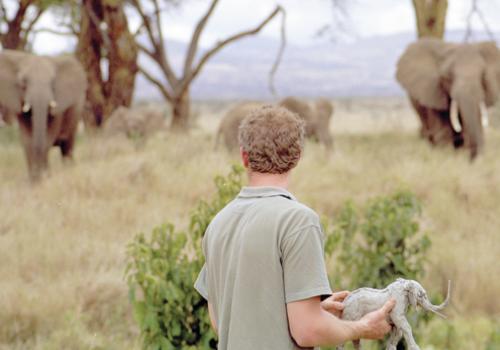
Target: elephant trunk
pixel 427 305
pixel 39 154
pixel 471 120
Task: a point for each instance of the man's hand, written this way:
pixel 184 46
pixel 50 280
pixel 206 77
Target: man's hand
pixel 374 324
pixel 333 304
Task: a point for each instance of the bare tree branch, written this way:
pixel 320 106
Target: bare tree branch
pixel 32 23
pixel 158 83
pixel 159 55
pixel 276 63
pixel 188 79
pixel 193 46
pixel 475 10
pixel 52 31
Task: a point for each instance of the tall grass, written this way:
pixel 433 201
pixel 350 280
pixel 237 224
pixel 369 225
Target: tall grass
pixel 62 243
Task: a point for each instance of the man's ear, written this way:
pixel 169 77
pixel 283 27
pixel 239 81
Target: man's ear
pixel 244 157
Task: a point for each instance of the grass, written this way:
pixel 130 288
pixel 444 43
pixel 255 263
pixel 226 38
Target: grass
pixel 62 243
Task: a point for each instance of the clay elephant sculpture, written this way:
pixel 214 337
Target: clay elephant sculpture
pixel 137 122
pixel 317 120
pixel 406 293
pixel 450 87
pixel 46 94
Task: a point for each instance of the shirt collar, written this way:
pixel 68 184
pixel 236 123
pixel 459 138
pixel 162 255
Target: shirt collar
pixel 264 191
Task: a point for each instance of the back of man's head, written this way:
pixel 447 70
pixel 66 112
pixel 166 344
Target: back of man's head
pixel 273 138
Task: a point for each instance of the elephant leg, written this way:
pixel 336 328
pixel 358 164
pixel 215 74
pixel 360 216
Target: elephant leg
pixel 394 338
pixel 440 130
pixel 405 328
pixel 424 120
pixel 357 344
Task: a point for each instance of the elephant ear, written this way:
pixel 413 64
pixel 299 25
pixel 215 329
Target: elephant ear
pixel 418 72
pixel 69 83
pixel 10 88
pixel 491 75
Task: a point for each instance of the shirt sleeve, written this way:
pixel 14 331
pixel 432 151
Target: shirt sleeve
pixel 201 282
pixel 304 270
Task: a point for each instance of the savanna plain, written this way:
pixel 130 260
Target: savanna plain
pixel 63 242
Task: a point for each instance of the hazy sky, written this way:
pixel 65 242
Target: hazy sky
pixel 304 19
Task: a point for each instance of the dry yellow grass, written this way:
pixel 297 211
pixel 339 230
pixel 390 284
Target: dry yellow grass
pixel 62 244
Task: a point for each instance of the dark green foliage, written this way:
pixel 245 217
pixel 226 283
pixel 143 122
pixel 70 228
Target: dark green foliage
pixel 161 273
pixel 376 245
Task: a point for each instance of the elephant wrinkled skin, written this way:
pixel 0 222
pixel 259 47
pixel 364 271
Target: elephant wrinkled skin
pixel 316 117
pixel 450 86
pixel 46 95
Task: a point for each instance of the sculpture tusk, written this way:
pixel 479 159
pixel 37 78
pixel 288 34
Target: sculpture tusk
pixel 26 107
pixel 52 104
pixel 455 122
pixel 484 114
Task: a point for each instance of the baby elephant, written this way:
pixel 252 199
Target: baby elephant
pixel 406 293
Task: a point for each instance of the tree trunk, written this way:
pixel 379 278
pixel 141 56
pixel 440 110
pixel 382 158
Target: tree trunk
pixel 13 39
pixel 122 57
pixel 180 113
pixel 430 17
pixel 113 46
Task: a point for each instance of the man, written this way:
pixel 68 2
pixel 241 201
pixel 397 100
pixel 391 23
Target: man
pixel 265 275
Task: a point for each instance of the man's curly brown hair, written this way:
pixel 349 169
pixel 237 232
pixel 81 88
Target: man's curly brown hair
pixel 273 137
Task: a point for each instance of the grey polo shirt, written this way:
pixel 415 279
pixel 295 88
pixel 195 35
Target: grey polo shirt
pixel 263 250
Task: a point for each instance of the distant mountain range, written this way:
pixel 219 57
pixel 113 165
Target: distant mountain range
pixel 364 67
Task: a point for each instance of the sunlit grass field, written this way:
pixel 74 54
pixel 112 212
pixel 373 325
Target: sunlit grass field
pixel 63 242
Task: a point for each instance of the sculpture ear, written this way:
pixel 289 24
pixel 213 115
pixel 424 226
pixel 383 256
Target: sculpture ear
pixel 410 293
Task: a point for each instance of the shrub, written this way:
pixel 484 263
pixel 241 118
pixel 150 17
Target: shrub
pixel 161 273
pixel 374 246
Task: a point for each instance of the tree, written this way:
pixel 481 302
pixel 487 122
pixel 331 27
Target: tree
pixel 108 52
pixel 175 90
pixel 430 17
pixel 15 31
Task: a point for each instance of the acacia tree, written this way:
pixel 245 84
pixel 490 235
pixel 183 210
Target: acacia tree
pixel 174 88
pixel 108 52
pixel 430 17
pixel 14 31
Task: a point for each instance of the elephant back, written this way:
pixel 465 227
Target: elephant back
pixel 230 123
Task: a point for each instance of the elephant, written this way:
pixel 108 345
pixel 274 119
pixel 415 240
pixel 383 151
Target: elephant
pixel 317 120
pixel 450 86
pixel 406 293
pixel 135 122
pixel 46 95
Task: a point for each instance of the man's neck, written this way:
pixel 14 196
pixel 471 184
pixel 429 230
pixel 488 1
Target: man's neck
pixel 263 179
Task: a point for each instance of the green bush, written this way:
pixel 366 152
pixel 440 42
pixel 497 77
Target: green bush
pixel 161 272
pixel 375 245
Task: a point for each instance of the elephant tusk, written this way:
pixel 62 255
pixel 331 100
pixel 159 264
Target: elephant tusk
pixel 52 104
pixel 455 122
pixel 26 107
pixel 484 114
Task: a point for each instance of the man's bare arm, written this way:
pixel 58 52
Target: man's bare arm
pixel 212 318
pixel 311 325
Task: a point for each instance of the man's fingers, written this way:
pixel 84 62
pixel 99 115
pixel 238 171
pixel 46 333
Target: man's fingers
pixel 330 304
pixel 388 306
pixel 339 296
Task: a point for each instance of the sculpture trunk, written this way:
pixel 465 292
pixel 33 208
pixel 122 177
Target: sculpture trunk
pixel 427 305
